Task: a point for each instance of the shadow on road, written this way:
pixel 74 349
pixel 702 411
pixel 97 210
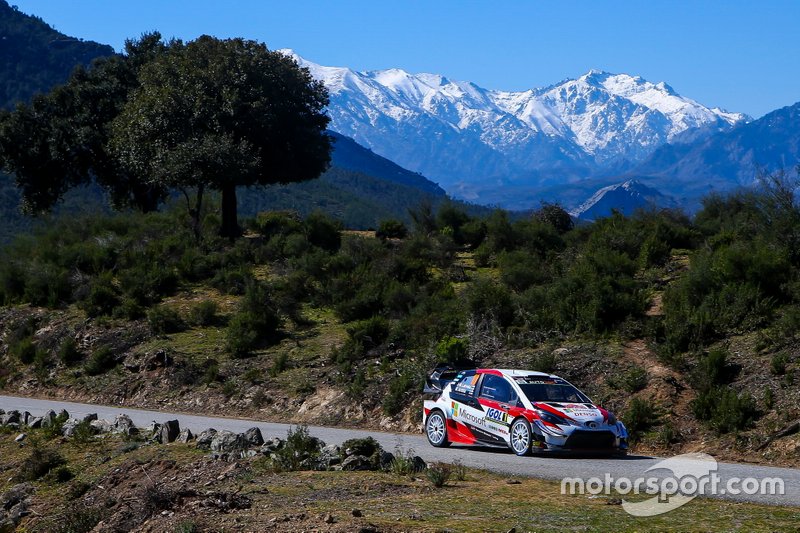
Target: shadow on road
pixel 554 455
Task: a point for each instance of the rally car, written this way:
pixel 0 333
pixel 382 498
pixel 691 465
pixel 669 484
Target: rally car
pixel 530 412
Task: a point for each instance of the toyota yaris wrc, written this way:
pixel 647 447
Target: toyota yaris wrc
pixel 530 412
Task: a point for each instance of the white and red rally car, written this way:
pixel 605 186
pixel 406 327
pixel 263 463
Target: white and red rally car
pixel 525 410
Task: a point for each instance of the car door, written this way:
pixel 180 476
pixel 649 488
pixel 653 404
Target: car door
pixel 467 410
pixel 497 397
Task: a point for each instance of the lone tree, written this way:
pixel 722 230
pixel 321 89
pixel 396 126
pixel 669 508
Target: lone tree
pixel 209 114
pixel 220 114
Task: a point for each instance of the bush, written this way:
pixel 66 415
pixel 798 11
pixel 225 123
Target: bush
pixel 299 452
pixel 723 409
pixel 101 361
pixel 103 296
pixel 777 365
pixel 452 349
pixel 255 323
pixel 280 364
pixel 323 232
pixel 487 299
pixel 640 416
pixel 203 313
pixel 395 399
pixel 38 464
pixel 438 474
pixel 634 379
pixel 391 229
pixel 24 350
pixel 546 362
pixel 164 319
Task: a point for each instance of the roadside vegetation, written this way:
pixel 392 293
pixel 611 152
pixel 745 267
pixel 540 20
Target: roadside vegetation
pixel 299 305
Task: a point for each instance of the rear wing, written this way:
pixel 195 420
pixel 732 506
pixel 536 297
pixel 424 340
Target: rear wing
pixel 443 374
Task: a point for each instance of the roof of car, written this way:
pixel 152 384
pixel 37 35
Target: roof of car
pixel 512 373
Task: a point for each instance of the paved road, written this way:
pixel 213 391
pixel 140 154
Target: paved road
pixel 496 460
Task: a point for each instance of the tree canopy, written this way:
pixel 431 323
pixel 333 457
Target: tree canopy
pixel 220 114
pixel 208 114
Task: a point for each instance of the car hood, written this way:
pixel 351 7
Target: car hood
pixel 579 412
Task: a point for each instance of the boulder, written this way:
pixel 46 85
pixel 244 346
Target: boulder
pixel 356 462
pixel 68 429
pixel 418 464
pixel 35 422
pixel 89 418
pixel 14 505
pixel 253 437
pixel 101 426
pixel 227 442
pixel 21 437
pixel 24 418
pixel 204 438
pixel 124 425
pixel 185 436
pixel 49 418
pixel 330 456
pixel 63 414
pixel 11 417
pixel 169 431
pixel 385 460
pixel 272 445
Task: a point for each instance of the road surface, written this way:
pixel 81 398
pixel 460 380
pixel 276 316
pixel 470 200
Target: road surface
pixel 500 461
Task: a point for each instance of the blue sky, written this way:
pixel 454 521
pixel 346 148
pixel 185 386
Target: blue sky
pixel 740 55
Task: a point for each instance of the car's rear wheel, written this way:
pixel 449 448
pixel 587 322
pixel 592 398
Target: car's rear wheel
pixel 521 437
pixel 436 429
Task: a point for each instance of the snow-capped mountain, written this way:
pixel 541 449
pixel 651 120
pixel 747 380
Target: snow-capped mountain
pixel 471 139
pixel 624 197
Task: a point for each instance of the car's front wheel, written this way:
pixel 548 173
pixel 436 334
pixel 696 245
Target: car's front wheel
pixel 521 437
pixel 436 429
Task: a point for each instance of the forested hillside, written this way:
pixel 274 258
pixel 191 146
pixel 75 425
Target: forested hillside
pixel 687 329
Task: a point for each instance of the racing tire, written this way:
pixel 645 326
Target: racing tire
pixel 436 429
pixel 520 437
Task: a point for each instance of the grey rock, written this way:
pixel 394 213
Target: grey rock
pixel 68 429
pixel 21 437
pixel 330 456
pixel 24 418
pixel 35 422
pixel 169 431
pixel 227 442
pixel 11 417
pixel 356 462
pixel 90 417
pixel 124 425
pixel 253 437
pixel 49 418
pixel 272 445
pixel 63 414
pixel 14 505
pixel 185 436
pixel 204 438
pixel 102 426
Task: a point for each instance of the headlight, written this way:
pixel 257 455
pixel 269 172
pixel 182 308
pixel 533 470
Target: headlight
pixel 551 418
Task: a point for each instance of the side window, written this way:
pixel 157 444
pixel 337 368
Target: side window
pixel 467 385
pixel 496 388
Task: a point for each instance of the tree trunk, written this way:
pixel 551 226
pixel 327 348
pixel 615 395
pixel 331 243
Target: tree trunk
pixel 230 223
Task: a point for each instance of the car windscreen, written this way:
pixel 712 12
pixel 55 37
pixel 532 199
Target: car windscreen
pixel 553 392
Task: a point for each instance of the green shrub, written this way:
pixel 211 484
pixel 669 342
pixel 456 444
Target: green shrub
pixel 101 361
pixel 485 298
pixel 203 313
pixel 103 296
pixel 634 379
pixel 711 370
pixel 391 229
pixel 723 409
pixel 299 451
pixel 38 464
pixel 777 365
pixel 640 416
pixel 47 285
pixel 24 350
pixel 452 349
pixel 395 399
pixel 164 319
pixel 438 474
pixel 323 232
pixel 545 362
pixel 280 364
pixel 255 323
